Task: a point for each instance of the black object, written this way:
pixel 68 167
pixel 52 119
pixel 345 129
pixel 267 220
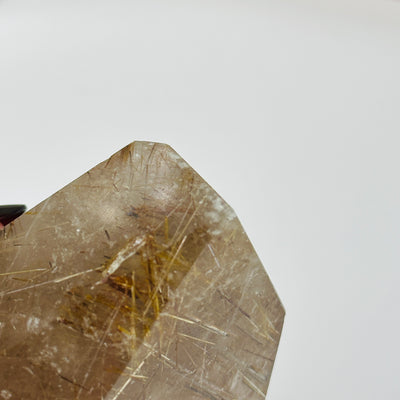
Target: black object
pixel 9 212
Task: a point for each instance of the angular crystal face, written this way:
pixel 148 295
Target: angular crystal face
pixel 135 281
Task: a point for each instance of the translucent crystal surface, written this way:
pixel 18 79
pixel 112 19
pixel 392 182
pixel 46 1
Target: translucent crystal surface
pixel 135 281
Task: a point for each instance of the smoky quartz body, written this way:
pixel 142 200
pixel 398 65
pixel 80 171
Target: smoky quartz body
pixel 135 281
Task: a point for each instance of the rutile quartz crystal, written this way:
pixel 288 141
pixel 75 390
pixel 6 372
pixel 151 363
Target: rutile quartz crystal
pixel 136 281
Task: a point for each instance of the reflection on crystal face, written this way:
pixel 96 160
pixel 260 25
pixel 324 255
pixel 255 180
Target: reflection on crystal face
pixel 135 281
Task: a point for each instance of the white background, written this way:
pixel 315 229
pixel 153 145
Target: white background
pixel 288 108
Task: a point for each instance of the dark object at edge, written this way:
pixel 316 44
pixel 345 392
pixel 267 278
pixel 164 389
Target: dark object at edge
pixel 9 212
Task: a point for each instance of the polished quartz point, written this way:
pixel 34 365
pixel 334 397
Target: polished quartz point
pixel 135 281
